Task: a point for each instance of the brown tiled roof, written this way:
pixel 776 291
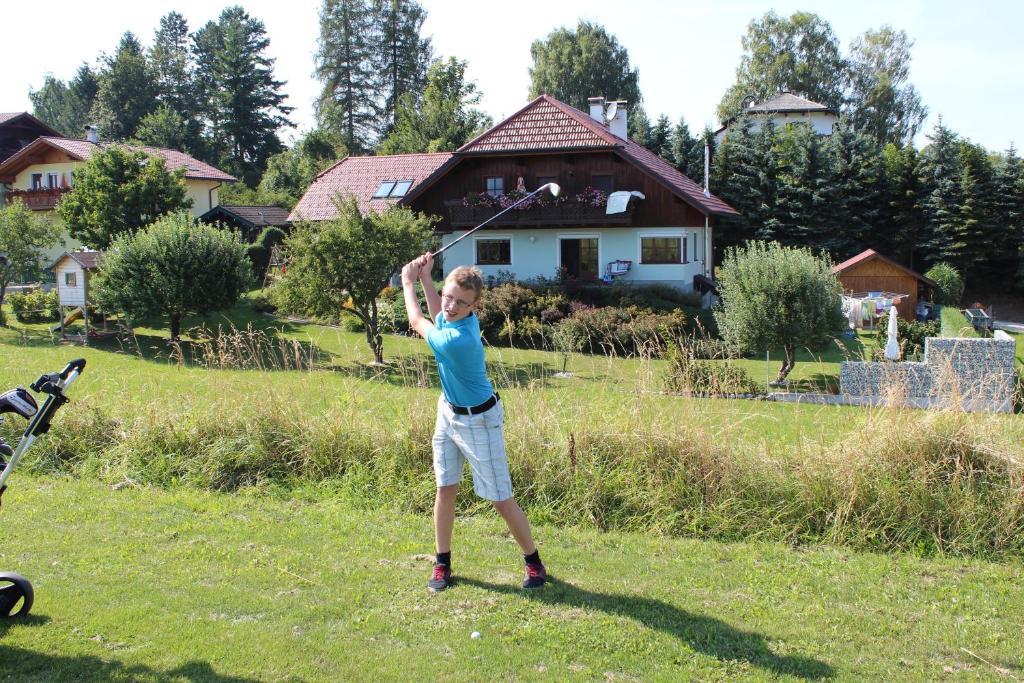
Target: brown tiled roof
pixel 360 177
pixel 686 189
pixel 259 216
pixel 83 149
pixel 869 254
pixel 90 260
pixel 543 124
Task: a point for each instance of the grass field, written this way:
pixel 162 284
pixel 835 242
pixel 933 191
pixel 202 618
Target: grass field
pixel 142 584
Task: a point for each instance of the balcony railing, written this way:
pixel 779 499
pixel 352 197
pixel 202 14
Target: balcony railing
pixel 564 213
pixel 38 200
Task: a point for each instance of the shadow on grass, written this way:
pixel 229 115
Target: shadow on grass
pixel 421 371
pixel 29 664
pixel 701 633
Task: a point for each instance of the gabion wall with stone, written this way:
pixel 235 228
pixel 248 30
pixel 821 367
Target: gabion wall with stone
pixel 975 374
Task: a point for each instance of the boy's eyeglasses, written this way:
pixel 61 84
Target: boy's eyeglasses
pixel 458 302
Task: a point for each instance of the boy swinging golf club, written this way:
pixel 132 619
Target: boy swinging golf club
pixel 470 417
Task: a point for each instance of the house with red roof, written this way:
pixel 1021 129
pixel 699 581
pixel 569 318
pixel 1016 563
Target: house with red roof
pixel 42 171
pixel 663 235
pixel 786 109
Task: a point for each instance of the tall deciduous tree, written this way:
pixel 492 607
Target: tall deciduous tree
pixel 24 237
pixel 340 266
pixel 403 55
pixel 444 119
pixel 63 106
pixel 881 101
pixel 574 65
pixel 120 190
pixel 244 102
pixel 799 54
pixel 174 267
pixel 348 100
pixel 127 90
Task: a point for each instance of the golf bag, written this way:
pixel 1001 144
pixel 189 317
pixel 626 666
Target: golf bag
pixel 15 589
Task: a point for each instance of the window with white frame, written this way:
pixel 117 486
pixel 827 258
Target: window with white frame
pixel 495 186
pixel 494 251
pixel 663 249
pixel 71 279
pixel 53 180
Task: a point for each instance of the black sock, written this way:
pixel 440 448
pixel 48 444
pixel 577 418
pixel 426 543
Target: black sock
pixel 445 558
pixel 533 558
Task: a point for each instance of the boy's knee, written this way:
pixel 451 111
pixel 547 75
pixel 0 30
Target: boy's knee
pixel 447 492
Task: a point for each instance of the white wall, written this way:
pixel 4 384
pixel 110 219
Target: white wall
pixel 821 122
pixel 536 252
pixel 70 296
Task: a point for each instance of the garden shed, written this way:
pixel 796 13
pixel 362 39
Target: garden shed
pixel 73 271
pixel 870 273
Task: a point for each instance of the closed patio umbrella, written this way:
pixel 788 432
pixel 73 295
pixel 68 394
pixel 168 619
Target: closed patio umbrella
pixel 892 345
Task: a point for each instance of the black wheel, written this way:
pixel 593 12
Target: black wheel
pixel 15 589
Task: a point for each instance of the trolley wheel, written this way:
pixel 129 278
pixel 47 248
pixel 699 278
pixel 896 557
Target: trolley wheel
pixel 15 589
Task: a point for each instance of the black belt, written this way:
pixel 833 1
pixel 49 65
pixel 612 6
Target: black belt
pixel 476 410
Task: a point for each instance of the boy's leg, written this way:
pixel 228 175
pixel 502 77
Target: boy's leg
pixel 517 523
pixel 444 517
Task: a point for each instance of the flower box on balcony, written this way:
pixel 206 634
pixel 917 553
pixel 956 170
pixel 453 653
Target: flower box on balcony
pixel 38 200
pixel 563 213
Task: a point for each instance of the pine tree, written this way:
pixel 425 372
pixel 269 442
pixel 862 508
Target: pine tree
pixel 899 232
pixel 173 67
pixel 403 56
pixel 126 91
pixel 978 230
pixel 244 100
pixel 682 144
pixel 348 101
pixel 745 174
pixel 660 139
pixel 1008 214
pixel 854 206
pixel 638 126
pixel 804 193
pixel 941 178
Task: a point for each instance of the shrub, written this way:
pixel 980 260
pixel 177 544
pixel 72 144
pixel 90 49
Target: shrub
pixel 625 331
pixel 911 336
pixel 691 375
pixel 36 306
pixel 949 286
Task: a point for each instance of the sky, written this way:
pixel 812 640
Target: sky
pixel 968 60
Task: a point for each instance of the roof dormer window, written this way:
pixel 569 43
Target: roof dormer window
pixel 401 187
pixel 384 189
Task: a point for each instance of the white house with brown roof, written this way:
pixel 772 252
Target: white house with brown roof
pixel 41 172
pixel 664 237
pixel 786 109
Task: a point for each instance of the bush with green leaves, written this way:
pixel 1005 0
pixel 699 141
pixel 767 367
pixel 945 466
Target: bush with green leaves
pixel 911 336
pixel 566 339
pixel 259 252
pixel 24 237
pixel 949 286
pixel 625 331
pixel 689 374
pixel 774 296
pixel 174 267
pixel 35 306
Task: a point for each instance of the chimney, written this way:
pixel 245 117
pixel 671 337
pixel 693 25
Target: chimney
pixel 617 125
pixel 92 133
pixel 596 108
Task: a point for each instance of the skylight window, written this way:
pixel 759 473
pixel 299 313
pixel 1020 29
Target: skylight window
pixel 384 189
pixel 401 187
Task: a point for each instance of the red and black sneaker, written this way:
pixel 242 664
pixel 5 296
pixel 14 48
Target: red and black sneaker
pixel 536 575
pixel 440 579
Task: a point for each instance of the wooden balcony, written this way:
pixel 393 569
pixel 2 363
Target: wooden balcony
pixel 564 213
pixel 38 200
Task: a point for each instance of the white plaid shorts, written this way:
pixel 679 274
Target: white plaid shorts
pixel 480 439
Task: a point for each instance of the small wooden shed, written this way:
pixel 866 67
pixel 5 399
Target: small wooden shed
pixel 74 270
pixel 870 272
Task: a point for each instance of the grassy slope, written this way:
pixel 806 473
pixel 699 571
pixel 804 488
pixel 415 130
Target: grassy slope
pixel 146 585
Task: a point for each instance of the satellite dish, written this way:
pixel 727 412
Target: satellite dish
pixel 611 111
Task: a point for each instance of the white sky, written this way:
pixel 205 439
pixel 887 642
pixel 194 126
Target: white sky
pixel 968 61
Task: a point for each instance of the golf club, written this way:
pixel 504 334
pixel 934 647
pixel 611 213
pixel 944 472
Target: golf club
pixel 555 189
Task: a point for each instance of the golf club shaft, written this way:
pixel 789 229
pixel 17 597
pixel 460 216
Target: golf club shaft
pixel 454 242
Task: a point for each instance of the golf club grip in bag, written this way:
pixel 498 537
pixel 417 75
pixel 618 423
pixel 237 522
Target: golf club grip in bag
pixel 53 385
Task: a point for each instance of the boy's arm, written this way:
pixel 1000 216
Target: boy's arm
pixel 410 273
pixel 429 293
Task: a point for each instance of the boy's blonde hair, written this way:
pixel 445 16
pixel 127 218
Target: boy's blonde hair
pixel 467 277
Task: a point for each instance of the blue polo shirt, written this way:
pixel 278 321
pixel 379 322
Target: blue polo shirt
pixel 460 360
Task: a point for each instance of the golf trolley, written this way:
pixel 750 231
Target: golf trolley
pixel 15 589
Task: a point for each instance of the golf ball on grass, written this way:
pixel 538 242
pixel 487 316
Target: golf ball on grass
pixel 475 635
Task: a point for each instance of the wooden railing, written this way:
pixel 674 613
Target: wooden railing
pixel 37 200
pixel 564 213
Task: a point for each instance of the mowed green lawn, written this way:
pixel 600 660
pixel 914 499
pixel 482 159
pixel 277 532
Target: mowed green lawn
pixel 148 585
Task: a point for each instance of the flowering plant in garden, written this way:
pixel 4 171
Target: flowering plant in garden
pixel 512 196
pixel 592 196
pixel 479 199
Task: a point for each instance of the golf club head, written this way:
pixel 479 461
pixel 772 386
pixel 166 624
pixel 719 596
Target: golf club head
pixel 554 189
